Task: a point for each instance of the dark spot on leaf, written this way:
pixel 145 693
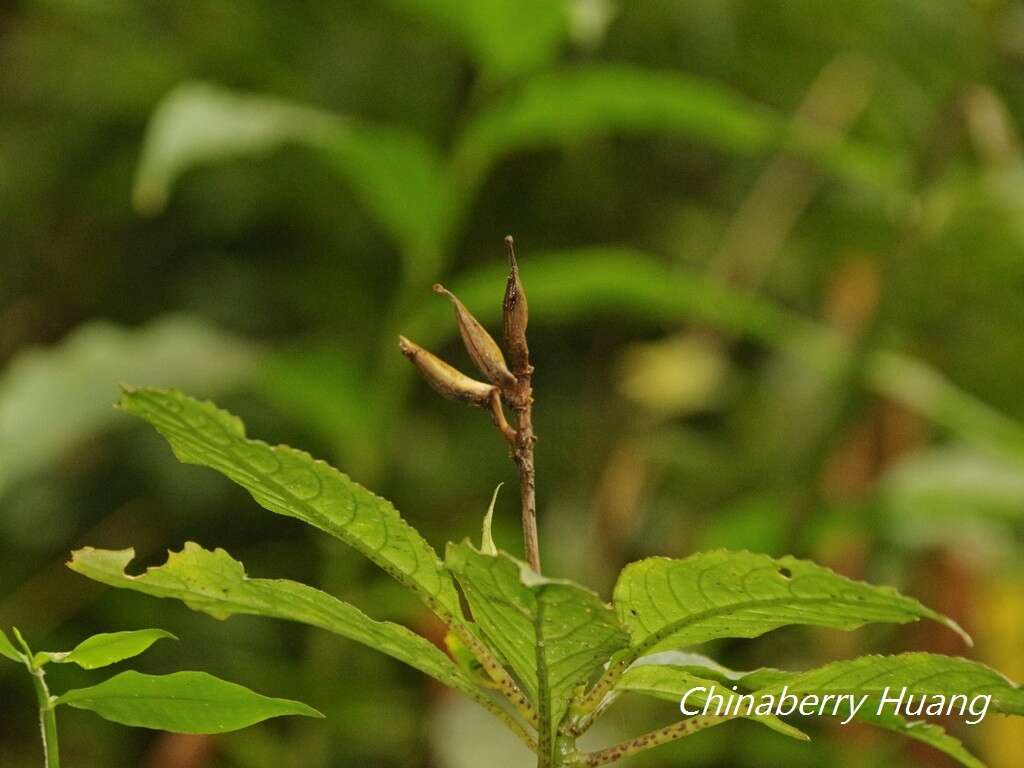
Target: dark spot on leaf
pixel 785 573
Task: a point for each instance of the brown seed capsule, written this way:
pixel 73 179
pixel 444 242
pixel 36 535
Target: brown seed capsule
pixel 482 348
pixel 445 379
pixel 516 315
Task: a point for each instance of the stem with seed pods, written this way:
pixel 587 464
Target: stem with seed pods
pixel 516 316
pixel 509 382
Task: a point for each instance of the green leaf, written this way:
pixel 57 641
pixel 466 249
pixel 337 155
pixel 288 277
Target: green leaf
pixel 929 674
pixel 53 397
pixel 215 583
pixel 487 545
pixel 183 702
pixel 505 37
pixel 572 104
pixel 669 683
pixel 553 634
pixel 951 482
pixel 7 649
pixel 677 603
pixel 105 649
pixel 290 482
pixel 396 174
pixel 670 675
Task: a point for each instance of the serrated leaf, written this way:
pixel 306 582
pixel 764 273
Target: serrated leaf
pixel 929 674
pixel 396 174
pixel 290 482
pixel 105 649
pixel 677 603
pixel 671 675
pixel 597 99
pixel 183 702
pixel 53 397
pixel 216 583
pixel 7 648
pixel 653 680
pixel 553 634
pixel 505 37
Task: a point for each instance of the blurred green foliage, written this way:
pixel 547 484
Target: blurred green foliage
pixel 774 250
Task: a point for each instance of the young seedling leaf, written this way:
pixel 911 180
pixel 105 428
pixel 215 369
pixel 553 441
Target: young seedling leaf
pixel 216 583
pixel 7 648
pixel 183 702
pixel 670 604
pixel 105 649
pixel 290 482
pixel 487 545
pixel 554 634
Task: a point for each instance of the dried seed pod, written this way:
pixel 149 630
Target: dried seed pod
pixel 482 348
pixel 446 380
pixel 516 315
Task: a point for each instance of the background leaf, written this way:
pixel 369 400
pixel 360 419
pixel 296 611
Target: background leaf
pixel 599 99
pixel 504 37
pixel 7 648
pixel 107 648
pixel 70 383
pixel 395 173
pixel 182 702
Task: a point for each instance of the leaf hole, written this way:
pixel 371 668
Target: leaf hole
pixel 785 573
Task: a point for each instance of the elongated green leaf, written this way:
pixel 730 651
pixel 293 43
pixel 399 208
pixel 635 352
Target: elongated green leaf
pixel 7 648
pixel 927 674
pixel 505 37
pixel 290 482
pixel 553 634
pixel 105 649
pixel 53 397
pixel 570 104
pixel 214 582
pixel 871 677
pixel 677 603
pixel 183 702
pixel 653 680
pixel 951 482
pixel 397 175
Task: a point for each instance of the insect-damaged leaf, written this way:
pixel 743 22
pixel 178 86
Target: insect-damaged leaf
pixel 183 702
pixel 214 582
pixel 290 482
pixel 677 603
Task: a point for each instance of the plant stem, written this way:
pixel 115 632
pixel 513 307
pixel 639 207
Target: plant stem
pixel 522 454
pixel 47 715
pixel 47 720
pixel 652 739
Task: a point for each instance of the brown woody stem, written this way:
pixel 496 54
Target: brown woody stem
pixel 522 454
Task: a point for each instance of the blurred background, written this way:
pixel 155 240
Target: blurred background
pixel 774 251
